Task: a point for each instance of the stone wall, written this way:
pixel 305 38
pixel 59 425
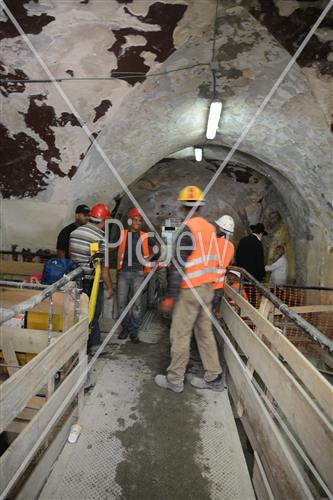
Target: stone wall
pixel 240 191
pixel 158 55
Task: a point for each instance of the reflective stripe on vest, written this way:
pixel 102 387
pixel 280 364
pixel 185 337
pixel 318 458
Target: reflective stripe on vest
pixel 222 278
pixel 201 266
pixel 226 253
pixel 144 247
pixel 201 260
pixel 202 272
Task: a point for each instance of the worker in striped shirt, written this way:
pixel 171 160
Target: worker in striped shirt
pixel 80 241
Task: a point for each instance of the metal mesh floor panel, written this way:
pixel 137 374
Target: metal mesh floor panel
pixel 141 442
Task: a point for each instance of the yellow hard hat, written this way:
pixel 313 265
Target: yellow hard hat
pixel 190 196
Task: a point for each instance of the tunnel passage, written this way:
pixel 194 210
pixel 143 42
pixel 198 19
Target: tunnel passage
pixel 240 191
pixel 139 121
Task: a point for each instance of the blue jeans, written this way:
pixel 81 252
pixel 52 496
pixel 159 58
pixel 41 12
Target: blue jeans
pixel 128 284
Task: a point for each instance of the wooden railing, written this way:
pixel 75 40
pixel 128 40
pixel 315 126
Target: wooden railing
pixel 21 388
pixel 284 403
pixel 19 270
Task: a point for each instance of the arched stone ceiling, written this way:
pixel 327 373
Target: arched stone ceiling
pixel 139 120
pixel 165 114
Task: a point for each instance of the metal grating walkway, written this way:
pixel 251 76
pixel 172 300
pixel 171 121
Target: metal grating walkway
pixel 140 442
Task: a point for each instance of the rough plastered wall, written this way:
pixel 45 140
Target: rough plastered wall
pixel 48 160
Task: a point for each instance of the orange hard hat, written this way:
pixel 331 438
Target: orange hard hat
pixel 99 212
pixel 134 212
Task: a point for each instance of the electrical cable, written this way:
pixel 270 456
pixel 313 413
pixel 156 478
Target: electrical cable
pixel 214 50
pixel 121 76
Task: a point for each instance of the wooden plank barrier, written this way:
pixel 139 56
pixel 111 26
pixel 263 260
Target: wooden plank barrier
pixel 312 379
pixel 19 270
pixel 25 383
pixel 313 308
pixel 282 471
pixel 306 403
pixel 22 411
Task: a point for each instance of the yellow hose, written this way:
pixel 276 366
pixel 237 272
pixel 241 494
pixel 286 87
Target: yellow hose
pixel 94 292
pixel 94 247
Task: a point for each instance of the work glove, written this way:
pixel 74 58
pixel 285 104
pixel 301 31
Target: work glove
pixel 166 305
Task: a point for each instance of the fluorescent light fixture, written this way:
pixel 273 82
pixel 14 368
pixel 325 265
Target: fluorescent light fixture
pixel 198 154
pixel 213 119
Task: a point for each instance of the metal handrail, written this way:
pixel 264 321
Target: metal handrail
pixel 306 287
pixel 309 329
pixel 6 314
pixel 22 285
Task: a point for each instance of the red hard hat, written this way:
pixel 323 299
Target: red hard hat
pixel 134 212
pixel 100 212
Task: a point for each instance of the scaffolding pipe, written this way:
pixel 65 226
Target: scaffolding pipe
pixel 22 285
pixel 6 314
pixel 313 332
pixel 306 287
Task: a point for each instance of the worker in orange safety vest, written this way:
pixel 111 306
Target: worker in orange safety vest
pixel 225 227
pixel 135 251
pixel 196 254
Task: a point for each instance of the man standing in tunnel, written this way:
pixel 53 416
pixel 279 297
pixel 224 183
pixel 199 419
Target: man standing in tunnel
pixel 81 218
pixel 80 241
pixel 250 252
pixel 134 244
pixel 196 254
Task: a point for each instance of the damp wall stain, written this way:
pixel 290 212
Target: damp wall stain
pixel 20 175
pixel 160 43
pixel 291 30
pixel 31 24
pixel 12 87
pixel 101 109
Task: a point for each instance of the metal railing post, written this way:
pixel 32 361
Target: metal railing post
pixel 50 320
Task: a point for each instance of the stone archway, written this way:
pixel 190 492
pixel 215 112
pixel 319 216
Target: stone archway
pixel 139 124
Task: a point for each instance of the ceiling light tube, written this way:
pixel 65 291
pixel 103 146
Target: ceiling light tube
pixel 213 119
pixel 198 154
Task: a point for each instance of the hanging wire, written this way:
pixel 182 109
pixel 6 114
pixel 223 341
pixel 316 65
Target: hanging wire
pixel 124 75
pixel 215 31
pixel 115 76
pixel 214 50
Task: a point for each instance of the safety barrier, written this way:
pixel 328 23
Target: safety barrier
pixel 283 401
pixel 15 270
pixel 304 312
pixel 32 394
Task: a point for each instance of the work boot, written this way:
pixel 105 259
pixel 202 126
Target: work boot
pixel 163 382
pixel 135 339
pixel 94 348
pixel 123 335
pixel 216 385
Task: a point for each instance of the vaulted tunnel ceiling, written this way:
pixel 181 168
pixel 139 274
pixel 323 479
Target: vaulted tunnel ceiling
pixel 139 119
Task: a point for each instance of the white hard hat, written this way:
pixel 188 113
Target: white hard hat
pixel 236 273
pixel 226 223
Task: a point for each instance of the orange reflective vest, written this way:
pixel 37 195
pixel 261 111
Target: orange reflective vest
pixel 201 266
pixel 226 253
pixel 144 250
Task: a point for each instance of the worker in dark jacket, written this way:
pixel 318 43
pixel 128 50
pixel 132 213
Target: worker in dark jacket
pixel 81 218
pixel 250 252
